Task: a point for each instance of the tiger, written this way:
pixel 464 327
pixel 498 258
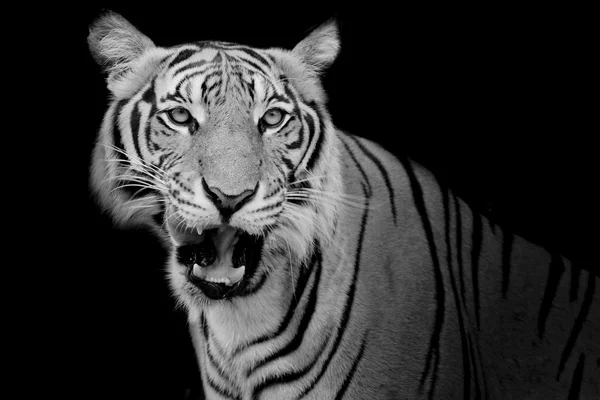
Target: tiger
pixel 312 263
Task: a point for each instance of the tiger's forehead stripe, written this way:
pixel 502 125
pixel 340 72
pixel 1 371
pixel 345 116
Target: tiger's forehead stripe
pixel 182 56
pixel 212 52
pixel 209 57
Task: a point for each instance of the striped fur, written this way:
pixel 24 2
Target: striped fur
pixel 375 280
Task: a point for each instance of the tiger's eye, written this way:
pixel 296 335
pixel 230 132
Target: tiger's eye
pixel 272 117
pixel 180 115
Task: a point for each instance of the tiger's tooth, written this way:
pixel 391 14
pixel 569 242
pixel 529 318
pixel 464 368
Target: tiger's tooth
pixel 225 281
pixel 199 272
pixel 199 230
pixel 237 274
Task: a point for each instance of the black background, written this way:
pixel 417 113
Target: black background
pixel 497 101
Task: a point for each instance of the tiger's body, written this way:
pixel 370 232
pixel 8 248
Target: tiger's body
pixel 372 280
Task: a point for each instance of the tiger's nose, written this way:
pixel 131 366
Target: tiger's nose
pixel 226 203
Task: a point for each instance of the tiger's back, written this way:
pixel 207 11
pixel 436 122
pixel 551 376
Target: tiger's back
pixel 312 263
pixel 502 316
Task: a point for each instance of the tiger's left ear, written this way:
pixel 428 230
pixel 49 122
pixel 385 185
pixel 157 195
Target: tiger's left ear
pixel 128 56
pixel 320 48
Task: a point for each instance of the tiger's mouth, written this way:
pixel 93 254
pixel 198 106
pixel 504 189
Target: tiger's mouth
pixel 220 261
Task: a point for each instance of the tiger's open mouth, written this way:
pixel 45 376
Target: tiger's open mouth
pixel 219 261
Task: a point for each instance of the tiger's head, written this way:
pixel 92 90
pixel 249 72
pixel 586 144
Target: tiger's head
pixel 226 152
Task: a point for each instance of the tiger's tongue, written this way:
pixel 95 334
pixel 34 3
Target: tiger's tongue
pixel 224 240
pixel 222 269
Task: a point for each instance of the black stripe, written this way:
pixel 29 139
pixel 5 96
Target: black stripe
pixel 188 203
pixel 204 326
pixel 161 63
pixel 298 336
pixel 248 291
pixel 243 49
pixel 459 246
pixel 578 324
pixel 288 163
pixel 299 140
pixel 288 377
pixel 306 273
pixel 297 187
pixel 245 62
pixel 277 191
pixel 349 300
pixel 350 375
pixel 280 98
pixel 316 153
pixel 222 373
pixel 311 128
pixel 211 383
pixel 182 56
pixel 575 270
pixel 474 365
pixel 192 65
pixel 483 378
pixel 289 92
pixel 577 378
pixel 216 86
pixel 161 121
pixel 174 158
pixel 383 172
pixel 252 53
pixel 299 184
pixel 149 97
pixel 162 159
pixel 194 74
pixel 360 168
pixel 507 242
pixel 116 131
pixel 173 97
pixel 556 270
pixel 268 207
pixel 463 340
pixel 250 89
pixel 220 369
pixel 433 351
pixel 135 126
pixel 218 58
pixel 476 238
pixel 298 374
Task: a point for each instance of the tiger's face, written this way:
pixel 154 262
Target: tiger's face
pixel 226 142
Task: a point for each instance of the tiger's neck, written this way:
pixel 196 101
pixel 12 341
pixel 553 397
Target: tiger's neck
pixel 242 343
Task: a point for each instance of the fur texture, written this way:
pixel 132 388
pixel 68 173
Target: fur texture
pixel 375 281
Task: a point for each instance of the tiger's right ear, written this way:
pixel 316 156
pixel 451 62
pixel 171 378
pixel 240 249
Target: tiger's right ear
pixel 320 48
pixel 122 51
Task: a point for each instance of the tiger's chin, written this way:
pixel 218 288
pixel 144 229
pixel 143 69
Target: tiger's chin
pixel 220 262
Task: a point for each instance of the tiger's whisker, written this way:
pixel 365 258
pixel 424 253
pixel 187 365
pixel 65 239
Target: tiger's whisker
pixel 341 195
pixel 308 179
pixel 328 200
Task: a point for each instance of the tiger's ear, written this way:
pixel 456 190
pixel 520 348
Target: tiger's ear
pixel 122 51
pixel 320 48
